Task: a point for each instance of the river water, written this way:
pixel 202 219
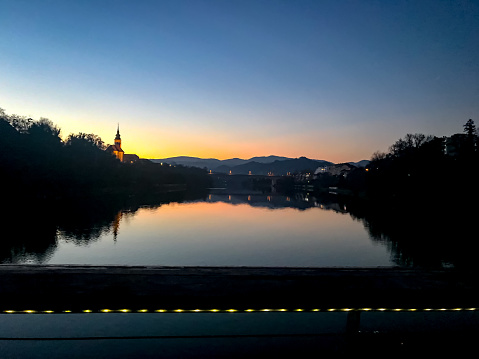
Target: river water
pixel 218 229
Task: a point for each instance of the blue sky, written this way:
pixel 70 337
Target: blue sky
pixel 334 80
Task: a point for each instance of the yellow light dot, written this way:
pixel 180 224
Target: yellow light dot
pixel 366 309
pixel 214 310
pixel 232 310
pixel 346 309
pixel 249 310
pixel 29 311
pixel 9 311
pixel 299 310
pixel 471 309
pixel 142 310
pixel 124 310
pixel 87 311
pixel 106 310
pixel 412 310
pixel 457 309
pixel 197 310
pixel 67 311
pixel 48 311
pixel 382 309
pixel 178 310
pixel 160 310
pixel 331 310
pixel 427 309
pixel 283 310
pixel 265 310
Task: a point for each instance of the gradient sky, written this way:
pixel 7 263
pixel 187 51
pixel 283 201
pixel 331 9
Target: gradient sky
pixel 333 80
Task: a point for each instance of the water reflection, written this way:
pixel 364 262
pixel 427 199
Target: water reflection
pixel 414 235
pixel 299 201
pixel 31 232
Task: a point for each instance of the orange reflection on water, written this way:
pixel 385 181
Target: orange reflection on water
pixel 242 219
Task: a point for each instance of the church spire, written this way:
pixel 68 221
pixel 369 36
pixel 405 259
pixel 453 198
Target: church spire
pixel 118 138
pixel 118 133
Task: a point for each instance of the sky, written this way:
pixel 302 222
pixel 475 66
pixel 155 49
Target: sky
pixel 333 80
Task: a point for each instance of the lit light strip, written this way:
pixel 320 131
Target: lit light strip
pixel 261 310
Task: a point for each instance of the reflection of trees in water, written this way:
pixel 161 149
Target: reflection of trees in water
pixel 422 233
pixel 33 236
pixel 28 236
pixel 299 201
pixel 416 233
pixel 419 233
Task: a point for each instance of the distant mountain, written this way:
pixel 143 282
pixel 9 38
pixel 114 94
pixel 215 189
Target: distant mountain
pixel 362 163
pixel 277 167
pixel 268 159
pixel 257 165
pixel 213 163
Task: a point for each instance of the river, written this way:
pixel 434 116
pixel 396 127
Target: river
pixel 221 229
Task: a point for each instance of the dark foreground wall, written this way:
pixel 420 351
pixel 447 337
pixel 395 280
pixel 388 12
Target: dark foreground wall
pixel 97 288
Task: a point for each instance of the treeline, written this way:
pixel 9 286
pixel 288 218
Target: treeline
pixel 415 166
pixel 427 166
pixel 36 163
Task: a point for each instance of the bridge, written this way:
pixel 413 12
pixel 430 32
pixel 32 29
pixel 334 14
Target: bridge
pixel 70 288
pixel 262 312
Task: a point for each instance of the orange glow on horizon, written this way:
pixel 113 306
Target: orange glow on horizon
pixel 163 140
pixel 167 142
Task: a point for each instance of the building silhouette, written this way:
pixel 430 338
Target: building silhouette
pixel 118 152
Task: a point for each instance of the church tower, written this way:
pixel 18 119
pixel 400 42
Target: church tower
pixel 116 148
pixel 117 137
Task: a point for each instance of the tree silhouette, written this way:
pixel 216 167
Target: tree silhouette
pixel 470 128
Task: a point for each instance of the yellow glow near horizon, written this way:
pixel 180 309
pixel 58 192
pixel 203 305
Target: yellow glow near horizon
pixel 163 139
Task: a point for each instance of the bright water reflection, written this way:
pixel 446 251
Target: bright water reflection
pixel 222 230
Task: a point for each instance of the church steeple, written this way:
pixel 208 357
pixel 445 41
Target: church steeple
pixel 117 137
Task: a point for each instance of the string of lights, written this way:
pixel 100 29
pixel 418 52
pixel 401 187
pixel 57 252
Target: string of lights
pixel 88 311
